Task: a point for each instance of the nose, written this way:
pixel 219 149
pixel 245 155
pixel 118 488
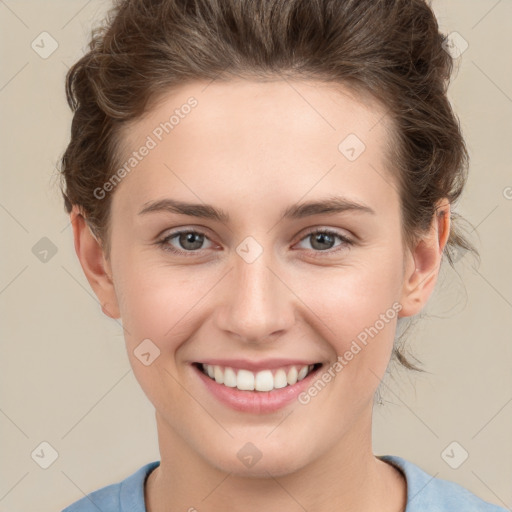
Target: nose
pixel 258 304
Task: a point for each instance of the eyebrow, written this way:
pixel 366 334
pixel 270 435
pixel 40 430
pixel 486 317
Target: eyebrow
pixel 328 205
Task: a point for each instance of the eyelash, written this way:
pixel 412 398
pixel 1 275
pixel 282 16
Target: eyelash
pixel 164 243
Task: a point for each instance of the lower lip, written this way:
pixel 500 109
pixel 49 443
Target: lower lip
pixel 256 402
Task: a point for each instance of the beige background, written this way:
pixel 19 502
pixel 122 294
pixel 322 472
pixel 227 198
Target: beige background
pixel 65 375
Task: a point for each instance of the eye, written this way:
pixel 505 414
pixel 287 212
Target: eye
pixel 189 239
pixel 322 240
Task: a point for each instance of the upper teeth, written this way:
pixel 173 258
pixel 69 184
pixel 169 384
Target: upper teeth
pixel 264 380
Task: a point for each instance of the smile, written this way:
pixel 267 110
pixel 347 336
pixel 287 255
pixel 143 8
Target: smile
pixel 264 380
pixel 257 390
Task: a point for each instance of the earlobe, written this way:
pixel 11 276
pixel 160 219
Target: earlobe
pixel 423 263
pixel 95 266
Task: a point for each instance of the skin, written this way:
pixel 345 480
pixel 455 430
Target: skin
pixel 252 149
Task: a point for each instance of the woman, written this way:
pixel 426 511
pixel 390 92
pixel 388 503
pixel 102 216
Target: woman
pixel 261 191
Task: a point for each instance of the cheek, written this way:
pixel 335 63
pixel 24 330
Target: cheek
pixel 159 302
pixel 155 305
pixel 356 310
pixel 152 308
pixel 353 297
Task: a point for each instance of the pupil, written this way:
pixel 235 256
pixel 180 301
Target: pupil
pixel 189 238
pixel 321 237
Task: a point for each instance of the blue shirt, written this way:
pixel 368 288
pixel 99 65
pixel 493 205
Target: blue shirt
pixel 424 493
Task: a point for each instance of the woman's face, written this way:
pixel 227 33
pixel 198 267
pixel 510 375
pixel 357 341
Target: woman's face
pixel 258 287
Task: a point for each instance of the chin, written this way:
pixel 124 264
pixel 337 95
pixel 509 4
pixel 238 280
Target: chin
pixel 270 460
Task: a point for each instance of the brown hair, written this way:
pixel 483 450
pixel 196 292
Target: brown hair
pixel 390 49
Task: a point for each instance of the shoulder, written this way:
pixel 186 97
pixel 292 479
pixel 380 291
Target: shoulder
pixel 426 492
pixel 122 496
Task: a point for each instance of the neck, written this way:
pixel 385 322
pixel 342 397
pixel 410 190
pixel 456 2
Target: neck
pixel 348 478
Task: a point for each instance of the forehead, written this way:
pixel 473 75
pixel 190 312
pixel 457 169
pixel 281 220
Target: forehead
pixel 226 106
pixel 258 139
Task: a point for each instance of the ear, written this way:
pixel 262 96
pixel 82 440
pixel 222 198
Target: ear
pixel 423 263
pixel 94 264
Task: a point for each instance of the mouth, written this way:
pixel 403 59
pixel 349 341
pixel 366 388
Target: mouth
pixel 257 391
pixel 261 381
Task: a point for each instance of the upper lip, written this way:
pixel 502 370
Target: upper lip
pixel 264 364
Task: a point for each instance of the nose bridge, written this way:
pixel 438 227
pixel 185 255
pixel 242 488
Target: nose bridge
pixel 257 305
